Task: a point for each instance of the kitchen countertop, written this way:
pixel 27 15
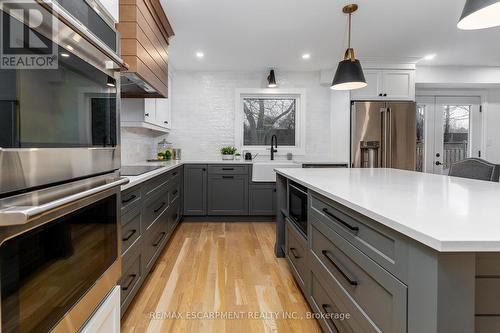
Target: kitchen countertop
pixel 448 214
pixel 171 164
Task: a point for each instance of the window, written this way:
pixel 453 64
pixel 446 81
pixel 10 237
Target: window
pixel 267 112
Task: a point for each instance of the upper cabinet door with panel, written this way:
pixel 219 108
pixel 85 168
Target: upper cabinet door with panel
pixel 399 84
pixel 372 90
pixel 387 85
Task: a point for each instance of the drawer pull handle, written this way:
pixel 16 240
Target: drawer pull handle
pixel 227 169
pixel 159 208
pixel 129 283
pixel 174 174
pixel 129 235
pixel 347 225
pixel 175 193
pixel 325 308
pixel 129 199
pixel 159 239
pixel 344 275
pixel 294 253
pixel 227 177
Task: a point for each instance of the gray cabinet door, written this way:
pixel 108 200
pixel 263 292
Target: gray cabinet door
pixel 195 189
pixel 262 199
pixel 228 195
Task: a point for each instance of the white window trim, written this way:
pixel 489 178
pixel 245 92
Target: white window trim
pixel 300 120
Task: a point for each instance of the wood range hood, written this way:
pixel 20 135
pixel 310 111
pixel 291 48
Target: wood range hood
pixel 145 34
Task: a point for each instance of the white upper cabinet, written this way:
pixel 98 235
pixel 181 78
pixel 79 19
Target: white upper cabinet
pixel 163 108
pixel 394 85
pixel 112 6
pixel 151 113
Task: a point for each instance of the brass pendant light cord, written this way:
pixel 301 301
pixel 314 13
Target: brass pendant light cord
pixel 349 34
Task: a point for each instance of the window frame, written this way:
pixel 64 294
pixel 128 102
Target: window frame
pixel 300 120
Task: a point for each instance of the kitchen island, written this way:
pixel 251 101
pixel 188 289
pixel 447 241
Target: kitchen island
pixel 399 251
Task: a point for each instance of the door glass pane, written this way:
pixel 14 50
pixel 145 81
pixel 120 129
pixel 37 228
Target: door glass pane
pixel 420 138
pixel 456 128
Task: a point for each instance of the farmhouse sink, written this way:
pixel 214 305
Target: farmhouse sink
pixel 263 171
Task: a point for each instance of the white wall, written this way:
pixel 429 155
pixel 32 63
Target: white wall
pixel 203 111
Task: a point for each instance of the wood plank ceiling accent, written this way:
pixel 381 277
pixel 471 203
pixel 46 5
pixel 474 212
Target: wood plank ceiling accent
pixel 144 38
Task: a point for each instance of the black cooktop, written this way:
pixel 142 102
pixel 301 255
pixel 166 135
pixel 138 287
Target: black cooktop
pixel 137 170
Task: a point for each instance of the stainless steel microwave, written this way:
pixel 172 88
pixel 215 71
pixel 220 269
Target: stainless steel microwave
pixel 60 124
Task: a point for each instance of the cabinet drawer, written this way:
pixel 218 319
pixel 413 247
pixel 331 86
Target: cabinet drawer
pixel 174 191
pixel 155 185
pixel 174 217
pixel 296 253
pixel 131 228
pixel 153 244
pixel 488 296
pixel 335 316
pixel 154 208
pixel 130 198
pixel 228 169
pixel 380 244
pixel 174 175
pixel 131 276
pixel 373 290
pixel 487 324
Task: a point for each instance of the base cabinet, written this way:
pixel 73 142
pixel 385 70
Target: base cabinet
pixel 262 199
pixel 195 190
pixel 150 213
pixel 106 319
pixel 227 195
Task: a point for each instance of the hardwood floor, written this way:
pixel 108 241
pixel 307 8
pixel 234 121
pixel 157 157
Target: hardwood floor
pixel 220 269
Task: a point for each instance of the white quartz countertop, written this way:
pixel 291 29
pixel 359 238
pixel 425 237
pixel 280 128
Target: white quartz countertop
pixel 171 164
pixel 448 214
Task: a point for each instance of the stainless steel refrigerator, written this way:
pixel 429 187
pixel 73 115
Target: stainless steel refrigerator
pixel 383 134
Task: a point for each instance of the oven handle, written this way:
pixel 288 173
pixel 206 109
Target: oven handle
pixel 81 30
pixel 18 215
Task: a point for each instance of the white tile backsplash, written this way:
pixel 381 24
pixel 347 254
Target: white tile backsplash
pixel 203 110
pixel 138 145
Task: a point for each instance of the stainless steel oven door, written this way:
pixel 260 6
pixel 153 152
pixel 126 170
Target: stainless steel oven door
pixel 62 123
pixel 59 254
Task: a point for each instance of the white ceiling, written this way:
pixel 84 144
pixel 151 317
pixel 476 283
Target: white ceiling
pixel 258 34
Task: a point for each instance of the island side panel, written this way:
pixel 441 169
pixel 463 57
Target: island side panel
pixel 281 213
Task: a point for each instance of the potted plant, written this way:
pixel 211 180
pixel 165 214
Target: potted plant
pixel 237 156
pixel 228 153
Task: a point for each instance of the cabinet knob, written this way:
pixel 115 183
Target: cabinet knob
pixel 380 95
pixel 146 114
pixel 438 163
pixel 385 95
pixel 166 122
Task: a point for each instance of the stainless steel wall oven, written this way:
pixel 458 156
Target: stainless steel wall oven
pixel 59 156
pixel 60 124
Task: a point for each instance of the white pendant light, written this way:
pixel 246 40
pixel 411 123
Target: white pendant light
pixel 480 14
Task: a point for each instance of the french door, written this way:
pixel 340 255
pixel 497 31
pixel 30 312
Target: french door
pixel 449 129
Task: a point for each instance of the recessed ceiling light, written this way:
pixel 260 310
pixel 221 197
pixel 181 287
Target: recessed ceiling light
pixel 65 55
pixel 429 57
pixel 306 56
pixel 199 55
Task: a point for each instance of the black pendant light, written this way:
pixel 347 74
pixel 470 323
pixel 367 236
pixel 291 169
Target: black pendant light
pixel 349 74
pixel 271 79
pixel 480 14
